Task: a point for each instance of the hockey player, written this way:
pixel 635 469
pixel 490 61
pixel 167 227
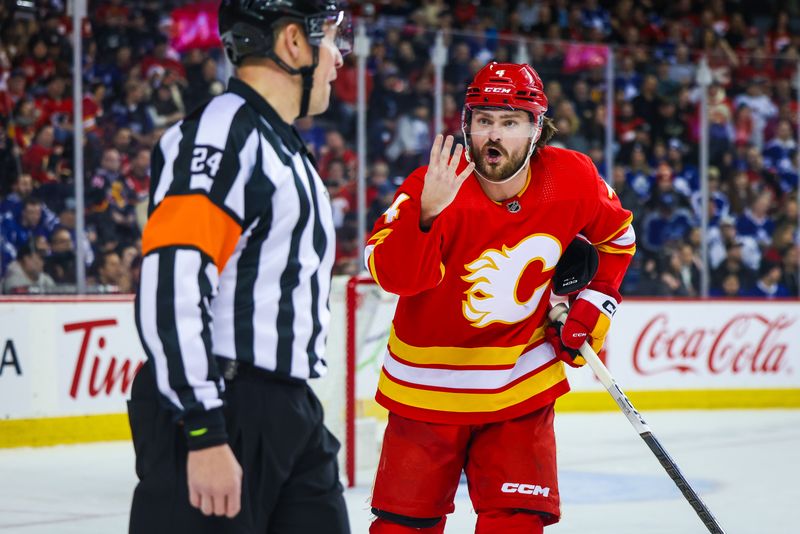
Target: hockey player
pixel 472 368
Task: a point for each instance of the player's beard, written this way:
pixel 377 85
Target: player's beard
pixel 505 168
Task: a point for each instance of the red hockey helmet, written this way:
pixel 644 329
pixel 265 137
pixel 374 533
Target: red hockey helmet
pixel 507 85
pixel 510 86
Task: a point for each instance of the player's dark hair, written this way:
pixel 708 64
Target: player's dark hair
pixel 548 131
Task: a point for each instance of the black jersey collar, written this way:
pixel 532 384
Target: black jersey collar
pixel 285 131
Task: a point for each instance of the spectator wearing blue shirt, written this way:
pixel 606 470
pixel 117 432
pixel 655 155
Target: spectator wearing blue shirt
pixel 768 284
pixel 667 223
pixel 718 206
pixel 755 222
pixel 640 176
pixel 21 189
pixel 595 16
pixel 20 231
pixel 686 177
pixel 313 135
pixel 780 152
pixel 730 287
pixel 131 111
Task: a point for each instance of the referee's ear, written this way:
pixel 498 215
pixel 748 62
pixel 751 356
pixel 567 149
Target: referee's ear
pixel 292 46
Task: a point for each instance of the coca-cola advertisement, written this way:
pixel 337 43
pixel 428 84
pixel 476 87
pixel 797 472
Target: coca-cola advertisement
pixel 65 357
pixel 702 345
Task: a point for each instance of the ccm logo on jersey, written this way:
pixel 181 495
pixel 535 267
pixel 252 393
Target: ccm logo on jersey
pixel 525 489
pixel 504 90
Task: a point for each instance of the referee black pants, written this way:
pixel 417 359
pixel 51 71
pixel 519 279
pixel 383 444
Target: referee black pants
pixel 291 479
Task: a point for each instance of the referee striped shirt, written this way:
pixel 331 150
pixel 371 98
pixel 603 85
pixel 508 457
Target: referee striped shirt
pixel 238 247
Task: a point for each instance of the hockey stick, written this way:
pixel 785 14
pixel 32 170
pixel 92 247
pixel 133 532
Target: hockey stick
pixel 557 315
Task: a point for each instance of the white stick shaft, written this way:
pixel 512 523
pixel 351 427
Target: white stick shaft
pixel 558 315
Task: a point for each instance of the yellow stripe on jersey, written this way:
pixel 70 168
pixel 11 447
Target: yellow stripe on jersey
pixel 459 355
pixel 195 221
pixel 447 401
pixel 624 225
pixel 610 249
pixel 374 241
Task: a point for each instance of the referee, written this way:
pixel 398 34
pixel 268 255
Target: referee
pixel 233 305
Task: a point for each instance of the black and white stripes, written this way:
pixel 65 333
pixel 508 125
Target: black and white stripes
pixel 239 249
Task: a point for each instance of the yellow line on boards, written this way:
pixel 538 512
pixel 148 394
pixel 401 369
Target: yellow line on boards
pixel 114 427
pixel 710 399
pixel 63 430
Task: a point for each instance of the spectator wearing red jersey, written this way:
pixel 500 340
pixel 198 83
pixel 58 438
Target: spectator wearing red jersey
pixel 340 203
pixel 41 160
pixel 54 104
pixel 38 66
pixel 625 128
pixel 335 148
pixel 722 60
pixel 743 130
pixel 112 11
pixel 346 89
pixel 162 57
pixel 780 36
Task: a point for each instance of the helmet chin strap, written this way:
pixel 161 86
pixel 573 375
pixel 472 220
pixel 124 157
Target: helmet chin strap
pixel 307 74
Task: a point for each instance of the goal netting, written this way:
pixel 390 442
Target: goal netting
pixel 361 316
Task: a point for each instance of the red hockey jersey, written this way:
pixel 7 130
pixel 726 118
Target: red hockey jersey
pixel 466 344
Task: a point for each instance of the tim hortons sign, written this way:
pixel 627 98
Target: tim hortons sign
pixel 98 371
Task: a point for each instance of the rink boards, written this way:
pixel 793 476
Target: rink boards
pixel 66 364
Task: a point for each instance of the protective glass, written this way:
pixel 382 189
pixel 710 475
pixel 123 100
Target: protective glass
pixel 336 26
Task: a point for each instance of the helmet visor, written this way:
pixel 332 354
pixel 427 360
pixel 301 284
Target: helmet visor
pixel 337 27
pixel 507 122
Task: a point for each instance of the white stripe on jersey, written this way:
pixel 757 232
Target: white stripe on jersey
pixel 223 305
pixel 626 239
pixel 189 326
pixel 147 320
pixel 215 122
pixel 168 144
pixel 247 160
pixel 273 257
pixel 471 379
pixel 301 297
pixel 326 265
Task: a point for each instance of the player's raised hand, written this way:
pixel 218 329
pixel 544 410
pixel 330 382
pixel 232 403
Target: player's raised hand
pixel 441 181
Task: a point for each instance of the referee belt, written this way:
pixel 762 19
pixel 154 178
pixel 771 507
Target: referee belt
pixel 230 370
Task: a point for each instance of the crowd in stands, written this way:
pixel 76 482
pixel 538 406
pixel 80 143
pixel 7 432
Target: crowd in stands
pixel 137 85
